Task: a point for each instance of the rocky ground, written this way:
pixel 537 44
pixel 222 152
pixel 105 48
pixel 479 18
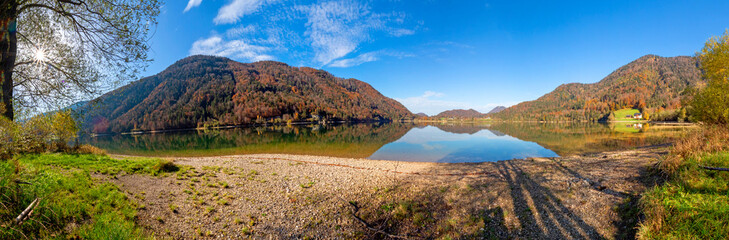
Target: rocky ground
pixel 270 196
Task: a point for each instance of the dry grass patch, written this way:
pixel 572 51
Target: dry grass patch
pixel 707 139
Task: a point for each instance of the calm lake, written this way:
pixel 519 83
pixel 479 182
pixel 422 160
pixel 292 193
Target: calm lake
pixel 434 142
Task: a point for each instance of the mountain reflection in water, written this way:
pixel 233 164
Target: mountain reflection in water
pixel 435 142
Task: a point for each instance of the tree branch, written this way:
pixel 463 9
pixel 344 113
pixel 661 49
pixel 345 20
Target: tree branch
pixel 22 63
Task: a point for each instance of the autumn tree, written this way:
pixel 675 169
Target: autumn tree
pixel 55 52
pixel 711 104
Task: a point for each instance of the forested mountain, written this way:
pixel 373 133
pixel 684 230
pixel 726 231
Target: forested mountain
pixel 421 114
pixel 206 90
pixel 459 113
pixel 650 83
pixel 497 109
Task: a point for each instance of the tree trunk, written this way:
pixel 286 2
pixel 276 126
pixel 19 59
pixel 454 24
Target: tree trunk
pixel 9 49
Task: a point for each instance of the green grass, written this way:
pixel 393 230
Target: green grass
pixel 102 164
pixel 307 185
pixel 694 204
pixel 620 114
pixel 72 204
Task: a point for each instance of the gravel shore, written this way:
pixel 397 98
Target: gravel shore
pixel 274 196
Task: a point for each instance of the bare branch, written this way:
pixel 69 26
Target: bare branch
pixel 23 63
pixel 87 46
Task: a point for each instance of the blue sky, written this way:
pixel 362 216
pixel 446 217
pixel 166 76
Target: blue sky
pixel 439 55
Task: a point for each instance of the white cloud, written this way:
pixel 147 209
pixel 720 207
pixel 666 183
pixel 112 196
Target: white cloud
pixel 428 94
pixel 399 32
pixel 191 4
pixel 240 31
pixel 236 9
pixel 429 104
pixel 239 49
pixel 323 33
pixel 276 38
pixel 335 29
pixel 367 57
pixel 349 62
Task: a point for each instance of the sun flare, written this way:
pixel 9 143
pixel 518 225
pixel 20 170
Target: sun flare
pixel 39 56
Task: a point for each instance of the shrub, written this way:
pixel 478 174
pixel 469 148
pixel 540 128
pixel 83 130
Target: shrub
pixel 678 115
pixel 44 132
pixel 63 128
pixel 88 149
pixel 165 166
pixel 8 132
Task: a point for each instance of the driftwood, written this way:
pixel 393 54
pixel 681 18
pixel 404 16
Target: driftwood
pixel 715 168
pixel 28 210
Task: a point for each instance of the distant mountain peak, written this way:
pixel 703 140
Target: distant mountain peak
pixel 497 109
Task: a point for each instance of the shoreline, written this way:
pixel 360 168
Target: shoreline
pixel 415 122
pixel 224 127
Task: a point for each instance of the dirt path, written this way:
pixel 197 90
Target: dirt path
pixel 288 196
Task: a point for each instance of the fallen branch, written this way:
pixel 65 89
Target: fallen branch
pixel 368 226
pixel 24 215
pixel 6 208
pixel 21 182
pixel 41 223
pixel 716 168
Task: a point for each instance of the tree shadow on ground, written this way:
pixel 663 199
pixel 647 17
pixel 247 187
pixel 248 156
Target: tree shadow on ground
pixel 503 205
pixel 407 210
pixel 541 214
pixel 589 197
pixel 628 210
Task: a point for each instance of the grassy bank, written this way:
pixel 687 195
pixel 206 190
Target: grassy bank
pixel 622 115
pixel 71 203
pixel 694 202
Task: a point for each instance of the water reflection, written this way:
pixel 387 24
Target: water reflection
pixel 467 144
pixel 353 141
pixel 578 138
pixel 397 141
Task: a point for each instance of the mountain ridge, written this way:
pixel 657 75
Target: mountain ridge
pixel 650 83
pixel 459 113
pixel 214 91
